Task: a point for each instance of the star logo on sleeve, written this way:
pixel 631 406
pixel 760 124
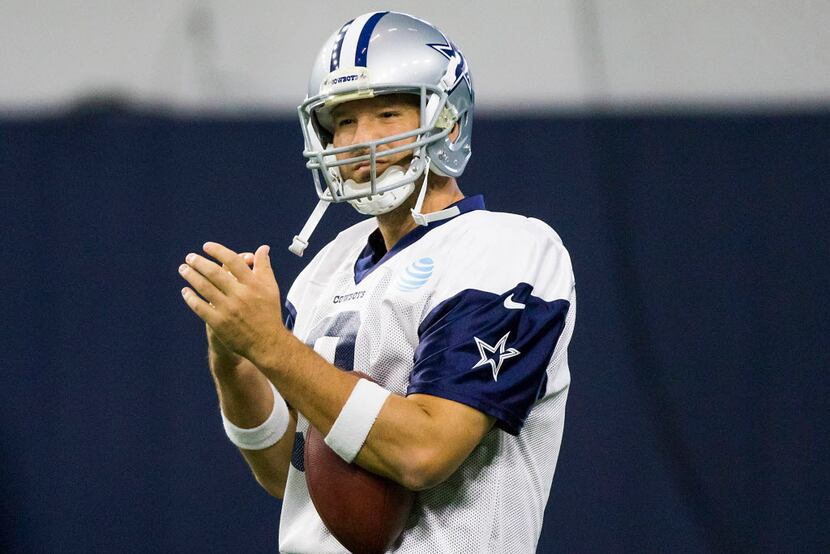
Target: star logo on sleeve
pixel 494 355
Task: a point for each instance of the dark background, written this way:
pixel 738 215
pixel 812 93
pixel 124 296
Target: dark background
pixel 697 412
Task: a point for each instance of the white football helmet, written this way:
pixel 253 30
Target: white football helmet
pixel 384 53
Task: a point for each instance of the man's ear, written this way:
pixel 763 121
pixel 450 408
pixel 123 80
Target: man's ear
pixel 454 133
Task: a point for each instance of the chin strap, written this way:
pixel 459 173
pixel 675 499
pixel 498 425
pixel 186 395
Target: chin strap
pixel 426 219
pixel 300 242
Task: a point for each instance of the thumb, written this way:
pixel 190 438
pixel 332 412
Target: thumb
pixel 262 261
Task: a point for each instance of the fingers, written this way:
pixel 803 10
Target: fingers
pixel 262 261
pixel 220 278
pixel 199 306
pixel 214 283
pixel 247 257
pixel 233 261
pixel 204 287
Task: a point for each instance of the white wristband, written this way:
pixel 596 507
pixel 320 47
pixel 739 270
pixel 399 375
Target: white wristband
pixel 264 435
pixel 359 413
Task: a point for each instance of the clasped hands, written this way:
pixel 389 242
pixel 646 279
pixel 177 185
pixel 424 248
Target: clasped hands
pixel 241 304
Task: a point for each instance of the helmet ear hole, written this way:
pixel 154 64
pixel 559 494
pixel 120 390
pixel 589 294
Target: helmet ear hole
pixel 456 129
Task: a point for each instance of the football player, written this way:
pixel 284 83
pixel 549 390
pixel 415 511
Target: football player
pixel 462 316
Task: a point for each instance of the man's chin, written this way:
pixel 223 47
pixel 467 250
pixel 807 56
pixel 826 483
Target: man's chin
pixel 362 178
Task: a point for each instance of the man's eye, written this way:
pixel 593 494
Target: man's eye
pixel 343 122
pixel 389 113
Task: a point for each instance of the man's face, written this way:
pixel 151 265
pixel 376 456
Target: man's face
pixel 371 119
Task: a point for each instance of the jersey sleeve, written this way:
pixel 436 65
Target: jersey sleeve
pixel 497 315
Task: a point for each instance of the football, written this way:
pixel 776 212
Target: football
pixel 364 511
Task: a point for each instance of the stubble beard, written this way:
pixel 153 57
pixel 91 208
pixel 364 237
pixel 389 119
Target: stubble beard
pixel 348 172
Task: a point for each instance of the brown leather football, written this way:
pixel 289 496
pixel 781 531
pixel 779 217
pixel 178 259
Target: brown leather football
pixel 364 511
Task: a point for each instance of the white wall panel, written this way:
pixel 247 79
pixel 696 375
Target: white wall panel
pixel 714 50
pixel 233 54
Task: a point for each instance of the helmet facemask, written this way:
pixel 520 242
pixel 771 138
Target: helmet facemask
pixel 381 193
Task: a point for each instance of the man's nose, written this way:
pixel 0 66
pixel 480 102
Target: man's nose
pixel 365 131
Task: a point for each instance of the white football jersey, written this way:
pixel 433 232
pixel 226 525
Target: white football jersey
pixel 479 309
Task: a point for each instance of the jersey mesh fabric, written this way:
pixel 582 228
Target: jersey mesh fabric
pixel 495 501
pixel 388 345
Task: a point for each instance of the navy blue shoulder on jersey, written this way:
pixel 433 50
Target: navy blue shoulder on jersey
pixel 289 315
pixel 489 351
pixel 374 253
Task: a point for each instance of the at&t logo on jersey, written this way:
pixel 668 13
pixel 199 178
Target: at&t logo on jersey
pixel 416 275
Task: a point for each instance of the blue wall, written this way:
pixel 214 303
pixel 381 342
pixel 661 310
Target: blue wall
pixel 697 414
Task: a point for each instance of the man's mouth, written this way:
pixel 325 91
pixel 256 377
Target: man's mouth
pixel 368 166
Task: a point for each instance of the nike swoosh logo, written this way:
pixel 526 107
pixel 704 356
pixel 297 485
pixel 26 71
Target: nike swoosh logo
pixel 511 305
